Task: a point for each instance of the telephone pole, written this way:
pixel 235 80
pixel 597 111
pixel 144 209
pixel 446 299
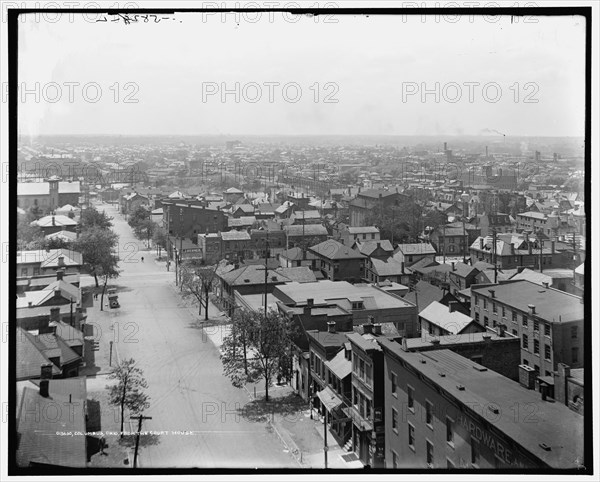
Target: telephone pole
pixel 137 437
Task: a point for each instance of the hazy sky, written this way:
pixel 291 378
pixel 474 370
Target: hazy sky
pixel 376 68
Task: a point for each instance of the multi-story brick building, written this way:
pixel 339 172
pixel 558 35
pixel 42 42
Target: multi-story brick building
pixel 189 220
pixel 444 411
pixel 549 322
pixel 373 200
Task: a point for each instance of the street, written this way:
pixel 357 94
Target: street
pixel 198 413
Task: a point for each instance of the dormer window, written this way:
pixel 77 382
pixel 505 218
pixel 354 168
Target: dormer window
pixel 358 305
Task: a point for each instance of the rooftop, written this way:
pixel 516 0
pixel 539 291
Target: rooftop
pixel 332 249
pixel 440 315
pixel 550 304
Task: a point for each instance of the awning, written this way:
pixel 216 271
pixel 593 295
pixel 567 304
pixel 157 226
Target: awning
pixel 329 399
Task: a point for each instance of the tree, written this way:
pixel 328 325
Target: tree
pixel 268 341
pixel 96 245
pixel 29 236
pixel 159 237
pixel 139 215
pixel 92 218
pixel 127 393
pixel 198 281
pixel 399 223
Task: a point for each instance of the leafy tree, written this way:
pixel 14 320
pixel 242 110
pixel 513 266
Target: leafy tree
pixel 92 218
pixel 29 236
pixel 399 223
pixel 159 237
pixel 138 215
pixel 268 343
pixel 198 281
pixel 96 245
pixel 128 391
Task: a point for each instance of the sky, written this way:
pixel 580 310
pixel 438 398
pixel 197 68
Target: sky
pixel 194 74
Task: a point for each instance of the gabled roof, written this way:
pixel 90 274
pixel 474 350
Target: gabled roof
pixel 54 220
pixel 233 190
pixel 424 294
pixel 39 442
pixel 363 230
pixel 49 258
pixel 415 249
pixel 332 249
pixel 464 270
pixel 368 247
pixel 388 267
pixel 440 315
pixel 305 230
pixel 64 235
pixel 30 358
pixel 339 365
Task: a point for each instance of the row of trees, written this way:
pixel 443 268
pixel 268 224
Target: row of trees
pixel 144 228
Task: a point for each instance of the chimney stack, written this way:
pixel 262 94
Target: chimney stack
pixel 61 260
pixel 45 376
pixel 57 293
pixel 331 326
pixel 53 221
pixel 545 283
pixel 60 274
pixel 531 309
pixel 368 326
pixel 377 329
pixel 492 293
pixel 55 314
pixel 452 306
pixel 481 243
pixel 453 265
pixel 402 266
pixel 310 302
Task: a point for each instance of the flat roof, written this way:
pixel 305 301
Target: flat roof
pixel 412 344
pixel 550 304
pixel 555 424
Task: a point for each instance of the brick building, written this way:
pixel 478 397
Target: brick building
pixel 444 411
pixel 549 322
pixel 338 262
pixel 189 220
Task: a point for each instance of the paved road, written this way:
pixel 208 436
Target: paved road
pixel 187 388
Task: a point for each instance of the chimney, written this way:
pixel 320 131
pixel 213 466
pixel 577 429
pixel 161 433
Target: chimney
pixel 60 274
pixel 30 304
pixel 310 302
pixel 531 309
pixel 453 265
pixel 481 243
pixel 55 314
pixel 61 260
pixel 435 341
pixel 53 221
pixel 45 376
pixel 331 326
pixel 368 326
pixel 545 283
pixel 553 244
pixel 377 329
pixel 452 306
pixel 512 248
pixel 402 267
pixel 486 337
pixel 529 246
pixel 492 293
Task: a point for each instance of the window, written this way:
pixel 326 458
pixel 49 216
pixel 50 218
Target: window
pixel 394 384
pixel 485 304
pixel 514 316
pixel 411 398
pixel 450 431
pixel 475 454
pixel 536 347
pixel 429 453
pixel 429 413
pixel 525 362
pixel 525 341
pixel 394 460
pixel 574 355
pixel 503 312
pixel 411 436
pixel 547 352
pixel 494 308
pixel 36 271
pixel 476 300
pixel 477 317
pixel 395 420
pixel 547 329
pixel 361 368
pixel 524 320
pixel 514 332
pixel 23 271
pixel 574 332
pixel 485 321
pixel 536 325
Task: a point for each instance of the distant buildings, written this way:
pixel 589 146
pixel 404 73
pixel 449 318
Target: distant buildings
pixel 373 201
pixel 48 195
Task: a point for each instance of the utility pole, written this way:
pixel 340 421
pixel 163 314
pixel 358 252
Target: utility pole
pixel 541 241
pixel 266 269
pixel 574 255
pixel 71 304
pixel 137 437
pixel 494 258
pixel 325 447
pixel 444 243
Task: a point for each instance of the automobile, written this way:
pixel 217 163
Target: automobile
pixel 113 298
